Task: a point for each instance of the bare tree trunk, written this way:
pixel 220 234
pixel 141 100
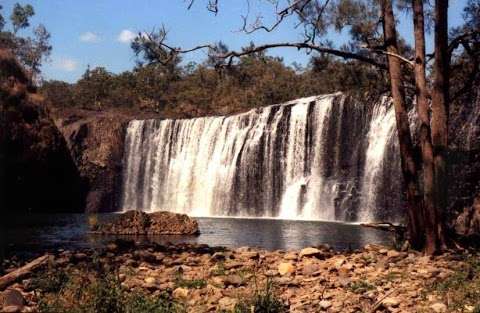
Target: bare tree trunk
pixel 409 170
pixel 430 217
pixel 440 113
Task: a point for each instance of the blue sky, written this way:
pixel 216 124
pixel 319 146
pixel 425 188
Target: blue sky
pixel 97 33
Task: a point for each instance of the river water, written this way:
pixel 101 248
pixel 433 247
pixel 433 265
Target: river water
pixel 37 233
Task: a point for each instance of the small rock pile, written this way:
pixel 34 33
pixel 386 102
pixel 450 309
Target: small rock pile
pixel 157 223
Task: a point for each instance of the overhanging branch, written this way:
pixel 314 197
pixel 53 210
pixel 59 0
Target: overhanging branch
pixel 173 52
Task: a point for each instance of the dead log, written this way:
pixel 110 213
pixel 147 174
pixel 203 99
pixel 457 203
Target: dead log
pixel 23 271
pixel 399 231
pixel 385 226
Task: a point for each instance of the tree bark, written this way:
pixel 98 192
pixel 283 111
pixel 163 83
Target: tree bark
pixel 439 122
pixel 430 217
pixel 409 169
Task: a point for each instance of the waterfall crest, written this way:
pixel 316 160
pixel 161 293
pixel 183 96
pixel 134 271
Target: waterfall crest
pixel 323 157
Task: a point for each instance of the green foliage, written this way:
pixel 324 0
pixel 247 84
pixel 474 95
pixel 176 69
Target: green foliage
pixel 203 89
pixel 181 282
pixel 139 303
pixel 30 50
pixel 329 74
pixel 462 288
pixel 61 91
pixel 20 16
pixel 263 301
pixel 97 291
pixel 393 276
pixel 360 286
pixel 219 269
pixel 50 282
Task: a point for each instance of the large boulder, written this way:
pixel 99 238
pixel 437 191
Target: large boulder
pixel 36 170
pixel 157 223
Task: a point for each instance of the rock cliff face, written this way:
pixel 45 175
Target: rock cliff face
pixel 36 170
pixel 95 140
pixel 468 222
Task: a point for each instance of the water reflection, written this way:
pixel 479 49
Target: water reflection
pixel 32 233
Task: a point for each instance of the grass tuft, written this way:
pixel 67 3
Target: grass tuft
pixel 263 301
pixel 360 286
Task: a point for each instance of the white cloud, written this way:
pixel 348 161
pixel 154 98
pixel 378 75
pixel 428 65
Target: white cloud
pixel 66 64
pixel 89 37
pixel 126 36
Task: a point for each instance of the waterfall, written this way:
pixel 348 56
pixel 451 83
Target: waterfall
pixel 324 157
pixel 382 129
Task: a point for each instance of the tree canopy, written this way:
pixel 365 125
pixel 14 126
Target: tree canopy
pixel 30 50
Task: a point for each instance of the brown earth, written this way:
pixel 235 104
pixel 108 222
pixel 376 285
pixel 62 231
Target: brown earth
pixel 315 279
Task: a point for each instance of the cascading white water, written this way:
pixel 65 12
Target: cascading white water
pixel 382 129
pixel 302 159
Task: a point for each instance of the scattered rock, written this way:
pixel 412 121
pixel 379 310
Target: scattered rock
pixel 12 309
pixel 231 265
pixel 145 256
pixel 12 301
pixel 227 304
pixel 310 269
pixel 218 256
pixel 112 247
pixel 234 280
pixel 180 293
pixel 324 304
pixel 393 254
pixel 310 252
pixel 150 280
pixel 439 307
pixel 391 302
pixel 291 256
pixel 286 268
pixel 252 255
pixel 80 257
pixel 347 282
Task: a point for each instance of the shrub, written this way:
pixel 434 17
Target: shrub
pixel 360 286
pixel 99 292
pixel 263 301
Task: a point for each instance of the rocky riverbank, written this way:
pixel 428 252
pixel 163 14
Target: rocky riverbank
pixel 198 278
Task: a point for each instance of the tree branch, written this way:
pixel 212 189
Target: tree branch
pixel 401 58
pixel 172 52
pixel 457 41
pixel 281 15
